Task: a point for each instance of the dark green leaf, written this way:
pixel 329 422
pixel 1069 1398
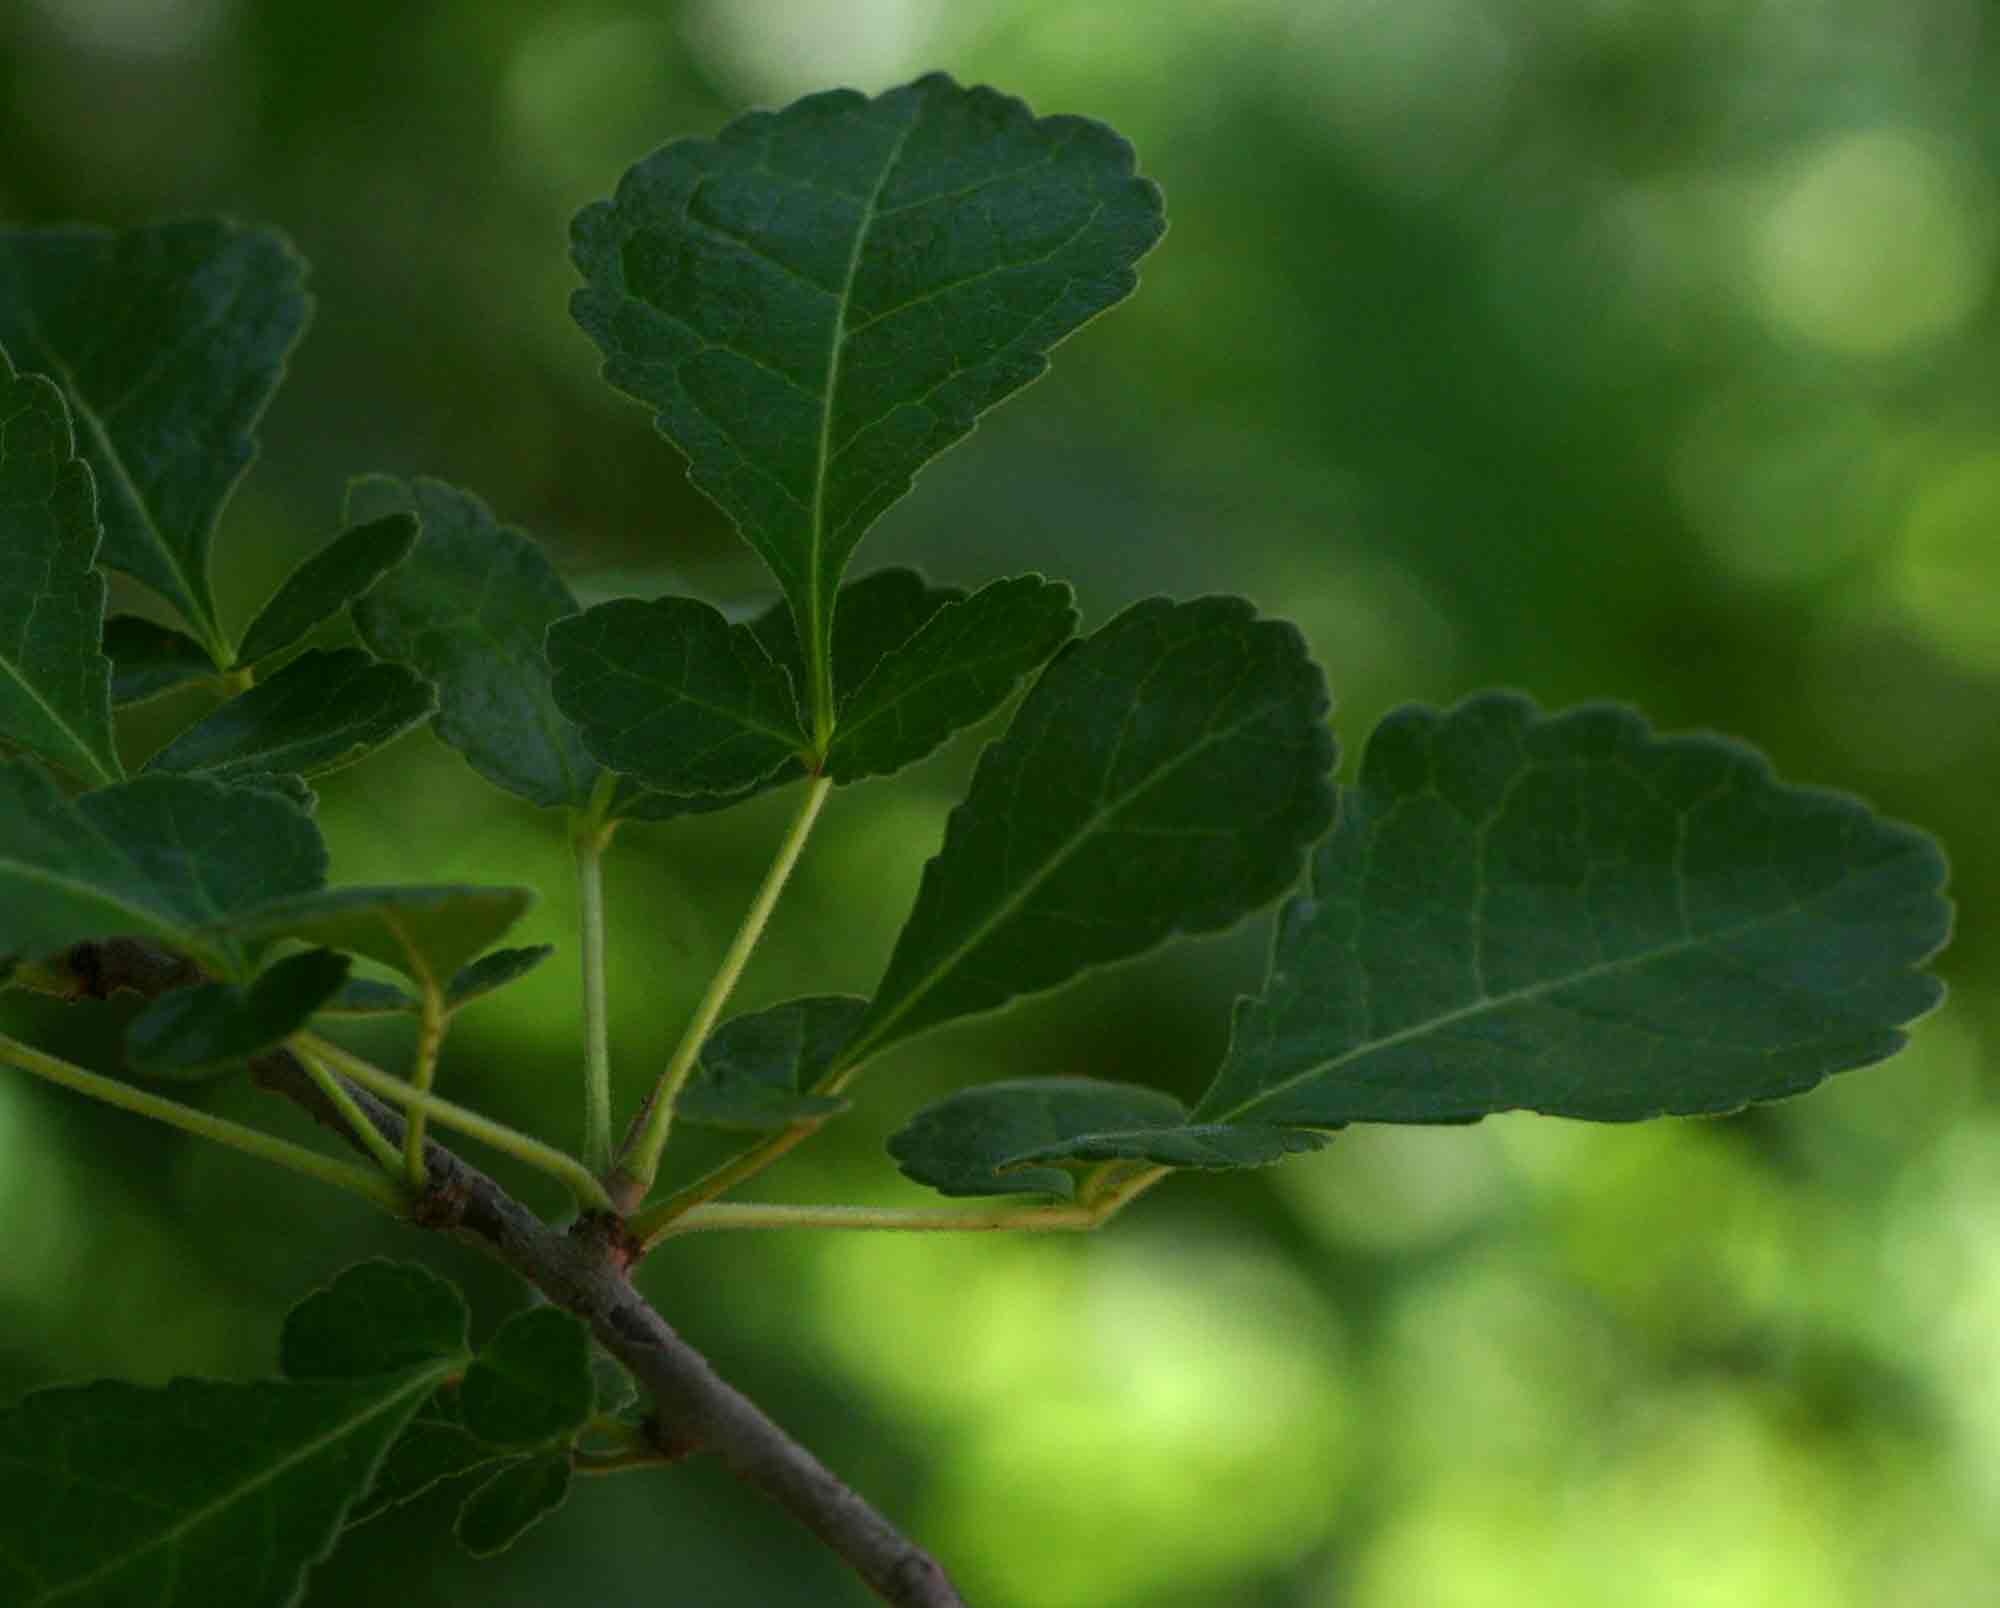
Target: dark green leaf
pixel 468 610
pixel 511 1502
pixel 114 1495
pixel 422 930
pixel 823 299
pixel 758 1071
pixel 1165 775
pixel 1569 914
pixel 434 1448
pixel 218 1024
pixel 55 682
pixel 328 582
pixel 873 617
pixel 671 693
pixel 615 1387
pixel 148 659
pixel 531 1382
pixel 365 996
pixel 494 971
pixel 292 789
pixel 324 710
pixel 168 341
pixel 632 802
pixel 162 857
pixel 961 666
pixel 375 1317
pixel 1021 1137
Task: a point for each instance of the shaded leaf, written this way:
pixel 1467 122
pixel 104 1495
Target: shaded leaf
pixel 468 610
pixel 368 996
pixel 110 1492
pixel 433 1448
pixel 148 658
pixel 364 996
pixel 168 341
pixel 375 1317
pixel 328 582
pixel 292 789
pixel 822 299
pixel 512 1502
pixel 218 1024
pixel 1021 1136
pixel 55 682
pixel 1165 775
pixel 1569 914
pixel 757 1071
pixel 964 662
pixel 324 710
pixel 873 616
pixel 171 858
pixel 531 1382
pixel 422 930
pixel 671 693
pixel 616 1388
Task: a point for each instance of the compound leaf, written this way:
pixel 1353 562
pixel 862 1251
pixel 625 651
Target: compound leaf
pixel 425 930
pixel 1165 775
pixel 212 1025
pixel 328 582
pixel 671 693
pixel 822 299
pixel 55 682
pixel 757 1071
pixel 148 658
pixel 375 1317
pixel 168 341
pixel 1023 1136
pixel 960 666
pixel 468 610
pixel 161 857
pixel 873 616
pixel 325 709
pixel 511 1502
pixel 532 1382
pixel 1569 914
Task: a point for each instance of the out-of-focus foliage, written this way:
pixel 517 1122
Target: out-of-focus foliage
pixel 1641 351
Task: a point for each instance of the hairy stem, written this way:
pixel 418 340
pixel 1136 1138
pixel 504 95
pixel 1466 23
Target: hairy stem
pixel 640 1162
pixel 366 1131
pixel 363 1181
pixel 649 1226
pixel 430 1039
pixel 589 839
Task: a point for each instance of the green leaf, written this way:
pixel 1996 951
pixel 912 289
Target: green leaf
pixel 148 658
pixel 376 1317
pixel 823 299
pixel 873 616
pixel 671 693
pixel 324 710
pixel 434 1447
pixel 961 666
pixel 165 857
pixel 757 1071
pixel 1022 1136
pixel 422 930
pixel 364 996
pixel 292 789
pixel 328 582
pixel 367 996
pixel 1165 775
pixel 512 1502
pixel 531 1382
pixel 468 610
pixel 1569 914
pixel 218 1024
pixel 55 682
pixel 112 1493
pixel 168 341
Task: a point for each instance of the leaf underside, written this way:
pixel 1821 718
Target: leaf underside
pixel 425 931
pixel 212 1025
pixel 365 996
pixel 757 1071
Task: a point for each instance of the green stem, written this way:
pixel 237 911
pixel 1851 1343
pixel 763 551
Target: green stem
pixel 640 1162
pixel 363 1181
pixel 544 1158
pixel 352 1114
pixel 738 1169
pixel 430 1038
pixel 617 1462
pixel 590 837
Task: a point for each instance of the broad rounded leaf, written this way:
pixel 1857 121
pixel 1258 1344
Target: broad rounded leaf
pixel 324 710
pixel 425 931
pixel 168 341
pixel 512 1501
pixel 1022 1136
pixel 1569 914
pixel 874 615
pixel 148 658
pixel 468 610
pixel 213 1025
pixel 1165 775
pixel 757 1071
pixel 671 693
pixel 531 1382
pixel 822 299
pixel 162 857
pixel 959 667
pixel 55 682
pixel 375 1317
pixel 328 582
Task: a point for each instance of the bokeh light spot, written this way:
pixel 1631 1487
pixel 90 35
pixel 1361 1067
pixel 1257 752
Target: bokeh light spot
pixel 1949 575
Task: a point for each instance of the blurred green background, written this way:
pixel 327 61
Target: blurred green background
pixel 1595 347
